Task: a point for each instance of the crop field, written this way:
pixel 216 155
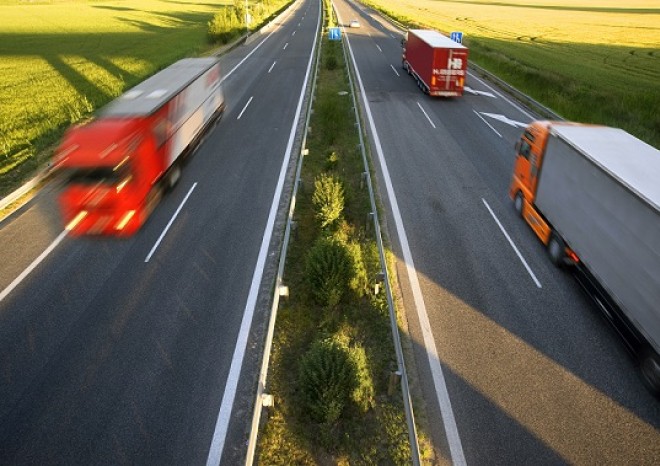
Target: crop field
pixel 61 59
pixel 594 61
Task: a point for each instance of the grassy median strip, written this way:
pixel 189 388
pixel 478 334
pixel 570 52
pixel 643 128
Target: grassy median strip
pixel 332 353
pixel 588 62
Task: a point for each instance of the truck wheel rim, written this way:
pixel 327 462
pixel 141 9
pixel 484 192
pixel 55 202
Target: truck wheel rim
pixel 518 203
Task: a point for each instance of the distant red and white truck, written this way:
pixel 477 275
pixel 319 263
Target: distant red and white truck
pixel 438 64
pixel 117 166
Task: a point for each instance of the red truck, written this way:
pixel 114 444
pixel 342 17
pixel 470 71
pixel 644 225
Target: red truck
pixel 438 64
pixel 117 166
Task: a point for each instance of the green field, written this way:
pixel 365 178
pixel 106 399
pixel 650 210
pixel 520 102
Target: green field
pixel 590 61
pixel 60 60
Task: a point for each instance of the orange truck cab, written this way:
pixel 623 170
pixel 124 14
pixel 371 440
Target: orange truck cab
pixel 530 150
pixel 592 195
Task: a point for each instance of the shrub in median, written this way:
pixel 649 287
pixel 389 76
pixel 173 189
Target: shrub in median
pixel 327 380
pixel 328 270
pixel 328 199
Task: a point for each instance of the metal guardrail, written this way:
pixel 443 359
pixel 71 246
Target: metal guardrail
pixel 263 375
pixel 405 388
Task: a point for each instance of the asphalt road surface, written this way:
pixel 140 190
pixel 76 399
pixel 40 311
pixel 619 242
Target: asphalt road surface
pixel 129 351
pixel 515 364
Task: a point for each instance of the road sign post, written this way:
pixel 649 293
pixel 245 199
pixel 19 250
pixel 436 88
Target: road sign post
pixel 456 36
pixel 334 34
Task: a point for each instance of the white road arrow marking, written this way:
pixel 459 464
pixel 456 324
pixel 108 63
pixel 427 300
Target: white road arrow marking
pixel 476 92
pixel 504 119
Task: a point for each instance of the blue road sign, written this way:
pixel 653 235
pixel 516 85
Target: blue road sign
pixel 334 34
pixel 456 37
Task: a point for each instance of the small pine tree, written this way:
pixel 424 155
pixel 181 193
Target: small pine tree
pixel 327 380
pixel 329 271
pixel 328 199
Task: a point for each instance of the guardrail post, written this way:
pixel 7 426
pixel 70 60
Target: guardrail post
pixel 393 384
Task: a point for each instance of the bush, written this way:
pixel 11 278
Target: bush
pixel 327 380
pixel 328 199
pixel 331 62
pixel 328 269
pixel 332 160
pixel 331 116
pixel 225 26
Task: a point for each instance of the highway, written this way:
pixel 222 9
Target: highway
pixel 515 365
pixel 145 350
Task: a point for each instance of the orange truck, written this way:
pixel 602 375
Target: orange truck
pixel 592 195
pixel 116 167
pixel 438 64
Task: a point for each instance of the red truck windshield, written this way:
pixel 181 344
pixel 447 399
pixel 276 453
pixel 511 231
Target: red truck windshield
pixel 96 175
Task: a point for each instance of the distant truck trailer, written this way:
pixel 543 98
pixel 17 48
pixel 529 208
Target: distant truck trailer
pixel 438 64
pixel 592 195
pixel 117 166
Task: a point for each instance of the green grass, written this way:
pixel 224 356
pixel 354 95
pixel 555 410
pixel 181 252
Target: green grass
pixel 289 436
pixel 63 59
pixel 590 61
pixel 60 60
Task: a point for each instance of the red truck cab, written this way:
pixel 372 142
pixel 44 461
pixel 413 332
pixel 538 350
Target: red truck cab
pixel 105 180
pixel 116 166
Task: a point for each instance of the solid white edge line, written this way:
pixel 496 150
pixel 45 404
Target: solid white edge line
pixel 272 66
pixel 227 404
pixel 169 224
pixel 245 108
pixel 506 235
pixel 395 71
pixel 33 265
pixel 489 125
pixel 448 419
pixel 425 114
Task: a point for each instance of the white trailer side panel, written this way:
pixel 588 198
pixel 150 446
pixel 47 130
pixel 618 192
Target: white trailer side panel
pixel 614 231
pixel 192 109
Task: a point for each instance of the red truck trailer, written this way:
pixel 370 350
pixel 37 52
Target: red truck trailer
pixel 117 166
pixel 438 64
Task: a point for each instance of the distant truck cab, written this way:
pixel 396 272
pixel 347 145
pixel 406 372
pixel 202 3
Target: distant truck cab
pixel 438 64
pixel 117 166
pixel 592 196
